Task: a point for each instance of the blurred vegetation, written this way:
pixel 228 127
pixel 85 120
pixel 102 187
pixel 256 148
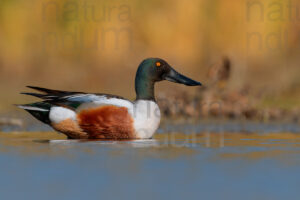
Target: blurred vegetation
pixel 96 46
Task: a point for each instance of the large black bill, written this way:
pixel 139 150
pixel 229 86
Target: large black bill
pixel 179 78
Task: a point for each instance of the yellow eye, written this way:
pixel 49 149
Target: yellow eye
pixel 158 64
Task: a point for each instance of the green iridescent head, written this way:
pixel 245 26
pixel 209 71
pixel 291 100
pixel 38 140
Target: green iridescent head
pixel 152 70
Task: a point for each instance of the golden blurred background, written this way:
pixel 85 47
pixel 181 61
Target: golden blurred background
pixel 96 46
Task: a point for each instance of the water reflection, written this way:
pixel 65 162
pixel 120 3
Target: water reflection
pixel 175 165
pixel 116 144
pixel 224 145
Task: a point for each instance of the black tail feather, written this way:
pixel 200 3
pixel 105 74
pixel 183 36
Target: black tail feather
pixel 41 116
pixel 49 91
pixel 42 96
pixel 40 110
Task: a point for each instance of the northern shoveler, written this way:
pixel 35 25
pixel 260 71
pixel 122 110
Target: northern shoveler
pixel 81 115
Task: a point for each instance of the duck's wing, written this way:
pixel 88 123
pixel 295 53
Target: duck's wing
pixel 70 99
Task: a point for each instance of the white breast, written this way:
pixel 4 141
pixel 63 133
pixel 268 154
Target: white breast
pixel 146 116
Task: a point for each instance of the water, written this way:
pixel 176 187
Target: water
pixel 170 166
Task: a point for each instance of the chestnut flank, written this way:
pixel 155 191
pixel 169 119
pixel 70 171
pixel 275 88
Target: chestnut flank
pixel 107 122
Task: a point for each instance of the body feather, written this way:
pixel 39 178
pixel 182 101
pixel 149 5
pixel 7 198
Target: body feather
pixel 83 115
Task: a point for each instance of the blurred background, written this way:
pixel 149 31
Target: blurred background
pixel 244 52
pixel 236 137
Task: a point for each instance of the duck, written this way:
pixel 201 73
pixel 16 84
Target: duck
pixel 81 115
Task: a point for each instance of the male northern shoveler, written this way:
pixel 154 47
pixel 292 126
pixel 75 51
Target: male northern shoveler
pixel 81 115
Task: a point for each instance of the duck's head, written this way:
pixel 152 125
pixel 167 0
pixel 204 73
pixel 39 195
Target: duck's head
pixel 152 70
